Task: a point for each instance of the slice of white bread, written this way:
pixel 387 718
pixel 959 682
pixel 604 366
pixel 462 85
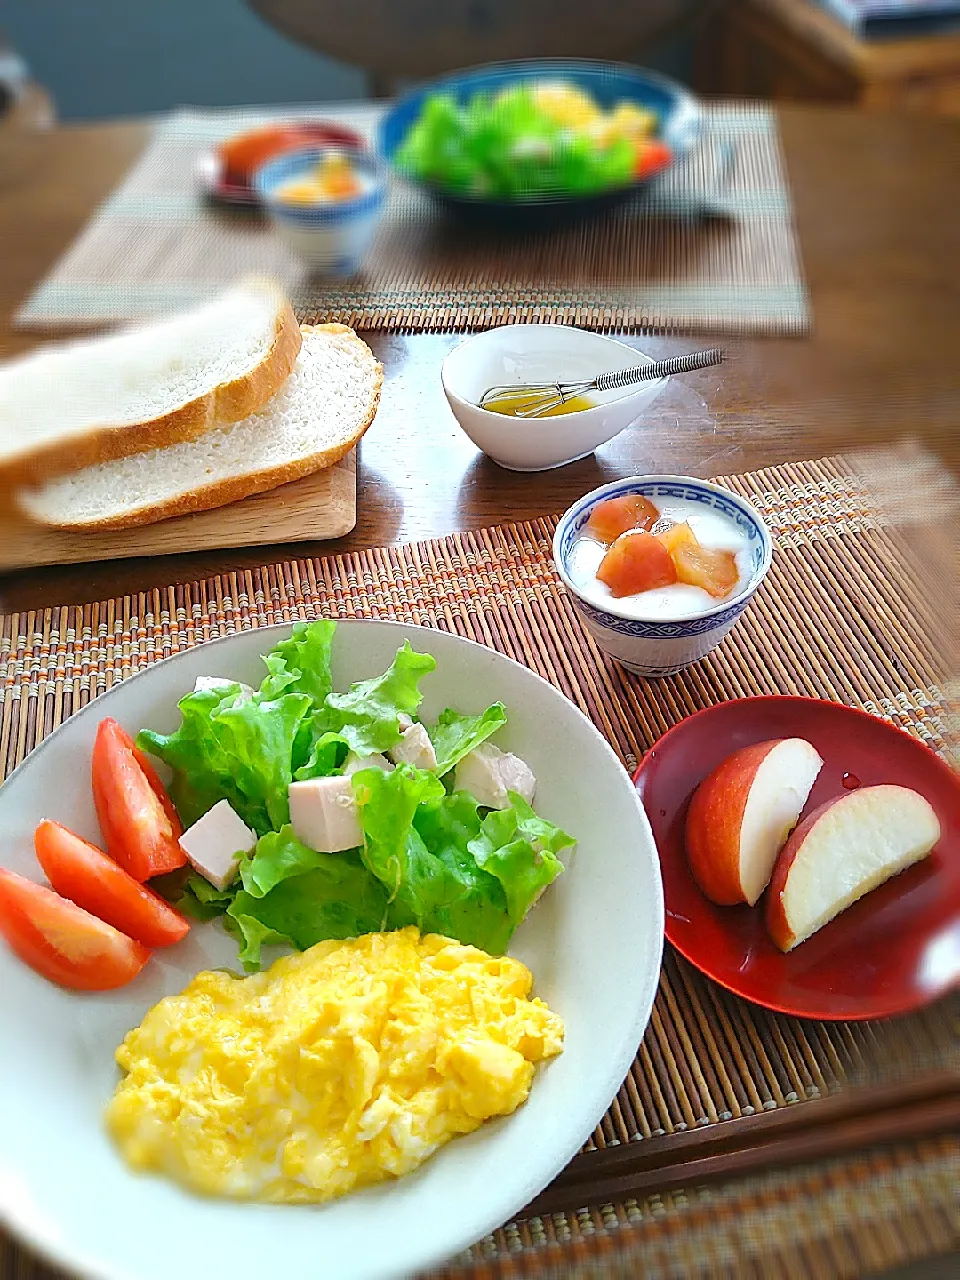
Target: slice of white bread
pixel 64 407
pixel 316 417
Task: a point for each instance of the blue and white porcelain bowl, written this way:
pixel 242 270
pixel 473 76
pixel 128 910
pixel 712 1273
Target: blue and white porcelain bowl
pixel 333 239
pixel 661 647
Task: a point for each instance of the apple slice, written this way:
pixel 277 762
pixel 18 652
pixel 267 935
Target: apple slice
pixel 741 814
pixel 847 847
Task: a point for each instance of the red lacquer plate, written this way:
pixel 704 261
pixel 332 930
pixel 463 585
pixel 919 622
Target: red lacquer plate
pixel 896 949
pixel 217 185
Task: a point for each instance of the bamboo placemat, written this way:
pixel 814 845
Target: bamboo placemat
pixel 156 244
pixel 842 615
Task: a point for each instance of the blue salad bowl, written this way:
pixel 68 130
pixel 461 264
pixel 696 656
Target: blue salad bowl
pixel 677 112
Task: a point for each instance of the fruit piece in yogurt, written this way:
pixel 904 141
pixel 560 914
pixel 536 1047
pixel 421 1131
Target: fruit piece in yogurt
pixel 678 535
pixel 636 562
pixel 716 572
pixel 608 520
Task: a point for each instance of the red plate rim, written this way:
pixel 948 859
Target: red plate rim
pixel 896 1007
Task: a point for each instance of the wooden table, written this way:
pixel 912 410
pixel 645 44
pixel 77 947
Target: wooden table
pixel 796 50
pixel 876 200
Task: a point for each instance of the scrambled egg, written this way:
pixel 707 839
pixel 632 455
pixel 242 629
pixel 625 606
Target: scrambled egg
pixel 334 1069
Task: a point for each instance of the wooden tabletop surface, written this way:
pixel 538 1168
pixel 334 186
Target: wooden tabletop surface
pixel 876 201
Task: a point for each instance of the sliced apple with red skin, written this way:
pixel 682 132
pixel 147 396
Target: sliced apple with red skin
pixel 843 850
pixel 742 813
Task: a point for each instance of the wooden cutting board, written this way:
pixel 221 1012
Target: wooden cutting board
pixel 319 506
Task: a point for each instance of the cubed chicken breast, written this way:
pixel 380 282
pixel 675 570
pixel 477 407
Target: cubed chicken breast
pixel 323 814
pixel 414 746
pixel 215 842
pixel 488 773
pixel 354 763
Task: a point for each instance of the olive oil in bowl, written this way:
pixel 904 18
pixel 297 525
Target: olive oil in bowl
pixel 511 406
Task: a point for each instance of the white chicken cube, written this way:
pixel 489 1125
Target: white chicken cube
pixel 215 842
pixel 488 773
pixel 414 746
pixel 323 814
pixel 354 763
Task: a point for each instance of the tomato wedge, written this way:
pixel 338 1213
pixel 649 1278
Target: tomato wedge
pixel 80 872
pixel 618 515
pixel 636 562
pixel 139 823
pixel 63 942
pixel 653 156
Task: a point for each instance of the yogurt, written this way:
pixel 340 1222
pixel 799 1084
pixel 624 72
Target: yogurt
pixel 712 529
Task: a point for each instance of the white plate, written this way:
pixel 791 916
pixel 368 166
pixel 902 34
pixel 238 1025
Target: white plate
pixel 593 942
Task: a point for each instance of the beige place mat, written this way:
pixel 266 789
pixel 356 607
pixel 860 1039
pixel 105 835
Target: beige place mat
pixel 860 632
pixel 156 245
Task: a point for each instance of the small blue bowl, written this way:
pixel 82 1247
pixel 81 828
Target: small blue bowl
pixel 608 82
pixel 663 647
pixel 332 238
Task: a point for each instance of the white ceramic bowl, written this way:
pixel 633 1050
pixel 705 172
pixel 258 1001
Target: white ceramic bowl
pixel 332 239
pixel 659 647
pixel 517 353
pixel 593 943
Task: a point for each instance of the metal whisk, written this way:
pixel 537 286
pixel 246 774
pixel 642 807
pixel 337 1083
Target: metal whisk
pixel 544 396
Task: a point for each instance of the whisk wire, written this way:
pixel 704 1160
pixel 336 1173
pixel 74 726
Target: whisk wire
pixel 545 396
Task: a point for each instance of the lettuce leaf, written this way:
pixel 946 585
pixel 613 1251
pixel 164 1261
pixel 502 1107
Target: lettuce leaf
pixel 520 849
pixel 455 736
pixel 302 663
pixel 367 716
pixel 387 804
pixel 336 898
pixel 232 748
pixel 202 900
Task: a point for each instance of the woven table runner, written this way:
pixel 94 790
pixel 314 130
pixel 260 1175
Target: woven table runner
pixel 860 632
pixel 665 262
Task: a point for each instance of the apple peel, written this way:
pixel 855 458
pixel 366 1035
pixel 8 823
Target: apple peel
pixel 742 813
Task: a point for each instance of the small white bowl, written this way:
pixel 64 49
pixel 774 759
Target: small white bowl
pixel 518 353
pixel 661 647
pixel 333 238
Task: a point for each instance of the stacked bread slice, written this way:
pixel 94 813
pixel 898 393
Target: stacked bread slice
pixel 190 413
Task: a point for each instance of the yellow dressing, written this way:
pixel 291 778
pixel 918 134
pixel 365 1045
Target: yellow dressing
pixel 511 406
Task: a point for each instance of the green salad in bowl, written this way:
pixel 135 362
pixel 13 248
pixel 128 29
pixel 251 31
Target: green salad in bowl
pixel 530 139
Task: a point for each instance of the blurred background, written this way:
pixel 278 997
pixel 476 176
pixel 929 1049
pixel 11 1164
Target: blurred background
pixel 105 59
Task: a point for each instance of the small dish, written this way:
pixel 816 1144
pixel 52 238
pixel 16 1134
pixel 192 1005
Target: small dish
pixel 535 353
pixel 663 646
pixel 219 185
pixel 895 950
pixel 333 239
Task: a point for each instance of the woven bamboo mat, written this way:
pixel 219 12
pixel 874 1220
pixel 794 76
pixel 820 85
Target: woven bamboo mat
pixel 859 631
pixel 156 244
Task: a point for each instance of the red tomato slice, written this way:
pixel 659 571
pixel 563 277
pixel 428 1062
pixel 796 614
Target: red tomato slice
pixel 139 823
pixel 63 942
pixel 654 156
pixel 80 872
pixel 619 515
pixel 636 562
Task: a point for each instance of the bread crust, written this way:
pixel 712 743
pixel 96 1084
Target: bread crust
pixel 222 405
pixel 234 488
